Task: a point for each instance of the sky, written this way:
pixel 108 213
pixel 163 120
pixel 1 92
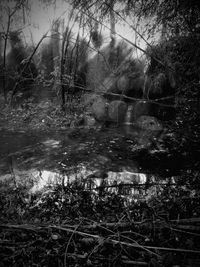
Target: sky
pixel 40 18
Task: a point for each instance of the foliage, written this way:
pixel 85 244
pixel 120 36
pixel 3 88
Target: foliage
pixel 46 63
pixel 174 17
pixel 178 16
pixel 40 116
pixel 79 224
pixel 98 227
pixel 181 56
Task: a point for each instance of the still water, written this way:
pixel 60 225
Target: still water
pixel 108 157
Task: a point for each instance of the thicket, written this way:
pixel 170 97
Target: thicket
pixel 75 225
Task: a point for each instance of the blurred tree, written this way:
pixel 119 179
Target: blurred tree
pixel 18 69
pixel 172 16
pixel 9 11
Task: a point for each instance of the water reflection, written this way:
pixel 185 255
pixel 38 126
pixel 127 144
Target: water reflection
pixel 46 178
pixel 39 180
pixel 51 143
pixel 42 179
pixel 98 160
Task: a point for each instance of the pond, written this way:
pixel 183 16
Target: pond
pixel 109 157
pixel 107 184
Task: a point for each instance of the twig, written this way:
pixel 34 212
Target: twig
pixel 125 39
pixel 133 28
pixel 138 246
pixel 129 244
pixel 184 232
pixel 26 65
pixel 17 6
pixel 189 227
pixel 155 101
pixel 187 220
pixel 135 263
pixel 66 249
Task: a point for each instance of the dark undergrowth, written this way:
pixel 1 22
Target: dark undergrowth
pixel 78 224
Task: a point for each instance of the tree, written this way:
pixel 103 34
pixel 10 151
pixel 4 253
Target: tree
pixel 10 13
pixel 178 16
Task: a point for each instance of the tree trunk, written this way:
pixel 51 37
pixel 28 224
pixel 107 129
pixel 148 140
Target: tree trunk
pixel 112 57
pixel 56 55
pixel 112 20
pixel 4 58
pixel 63 71
pixel 163 31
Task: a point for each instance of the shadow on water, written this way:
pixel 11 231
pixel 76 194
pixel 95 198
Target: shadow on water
pixel 107 158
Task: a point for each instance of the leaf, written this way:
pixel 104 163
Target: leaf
pixel 88 241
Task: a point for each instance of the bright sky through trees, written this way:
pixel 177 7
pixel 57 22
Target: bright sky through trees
pixel 39 17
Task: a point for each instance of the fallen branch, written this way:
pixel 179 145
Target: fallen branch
pixel 187 220
pixel 100 238
pixel 155 101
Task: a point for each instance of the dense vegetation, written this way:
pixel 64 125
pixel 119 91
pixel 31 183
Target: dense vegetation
pixel 46 89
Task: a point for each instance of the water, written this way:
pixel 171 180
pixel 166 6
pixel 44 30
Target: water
pixel 129 115
pixel 110 157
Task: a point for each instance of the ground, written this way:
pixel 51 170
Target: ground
pixel 95 196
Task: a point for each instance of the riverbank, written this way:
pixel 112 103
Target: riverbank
pixel 44 116
pixel 95 198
